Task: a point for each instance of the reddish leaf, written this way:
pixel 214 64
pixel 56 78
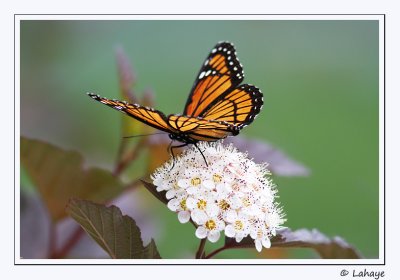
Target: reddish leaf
pixel 117 234
pixel 327 248
pixel 59 175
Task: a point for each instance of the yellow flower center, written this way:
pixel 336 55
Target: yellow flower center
pixel 183 204
pixel 195 181
pixel 238 225
pixel 210 224
pixel 223 204
pixel 217 178
pixel 201 204
pixel 256 187
pixel 246 201
pixel 236 187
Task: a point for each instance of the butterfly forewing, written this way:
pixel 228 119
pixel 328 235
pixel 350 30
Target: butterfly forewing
pixel 220 73
pixel 146 115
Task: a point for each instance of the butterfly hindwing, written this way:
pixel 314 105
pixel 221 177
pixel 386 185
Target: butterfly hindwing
pixel 200 129
pixel 220 73
pixel 146 115
pixel 240 106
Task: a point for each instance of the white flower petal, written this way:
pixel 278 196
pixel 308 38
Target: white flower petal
pixel 235 202
pixel 193 190
pixel 220 225
pixel 230 231
pixel 212 209
pixel 266 242
pixel 201 232
pixel 239 236
pixel 170 194
pixel 173 204
pixel 213 236
pixel 208 184
pixel 159 182
pixel 258 245
pixel 199 217
pixel 191 203
pixel 231 216
pixel 183 183
pixel 184 216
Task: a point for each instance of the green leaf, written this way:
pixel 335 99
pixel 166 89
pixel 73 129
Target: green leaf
pixel 327 248
pixel 59 175
pixel 117 234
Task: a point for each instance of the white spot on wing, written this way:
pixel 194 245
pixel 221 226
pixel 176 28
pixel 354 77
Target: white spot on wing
pixel 202 75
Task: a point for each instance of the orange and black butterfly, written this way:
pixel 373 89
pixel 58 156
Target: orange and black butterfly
pixel 218 105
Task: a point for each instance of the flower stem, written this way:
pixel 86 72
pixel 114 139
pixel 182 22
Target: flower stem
pixel 124 160
pixel 200 251
pixel 52 240
pixel 69 244
pixel 213 253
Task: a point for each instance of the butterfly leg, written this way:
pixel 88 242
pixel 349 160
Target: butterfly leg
pixel 201 153
pixel 171 150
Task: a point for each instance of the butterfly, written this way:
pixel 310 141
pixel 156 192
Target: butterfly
pixel 218 105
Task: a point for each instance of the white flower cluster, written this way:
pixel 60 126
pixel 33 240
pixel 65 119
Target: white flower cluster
pixel 231 194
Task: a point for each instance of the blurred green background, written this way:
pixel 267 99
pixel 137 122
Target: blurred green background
pixel 320 85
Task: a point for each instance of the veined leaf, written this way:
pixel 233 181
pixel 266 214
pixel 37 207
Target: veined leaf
pixel 327 248
pixel 117 234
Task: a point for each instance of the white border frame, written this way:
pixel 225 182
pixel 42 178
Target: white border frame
pixel 380 18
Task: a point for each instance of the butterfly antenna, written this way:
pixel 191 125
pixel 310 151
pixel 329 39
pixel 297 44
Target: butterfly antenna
pixel 201 153
pixel 140 135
